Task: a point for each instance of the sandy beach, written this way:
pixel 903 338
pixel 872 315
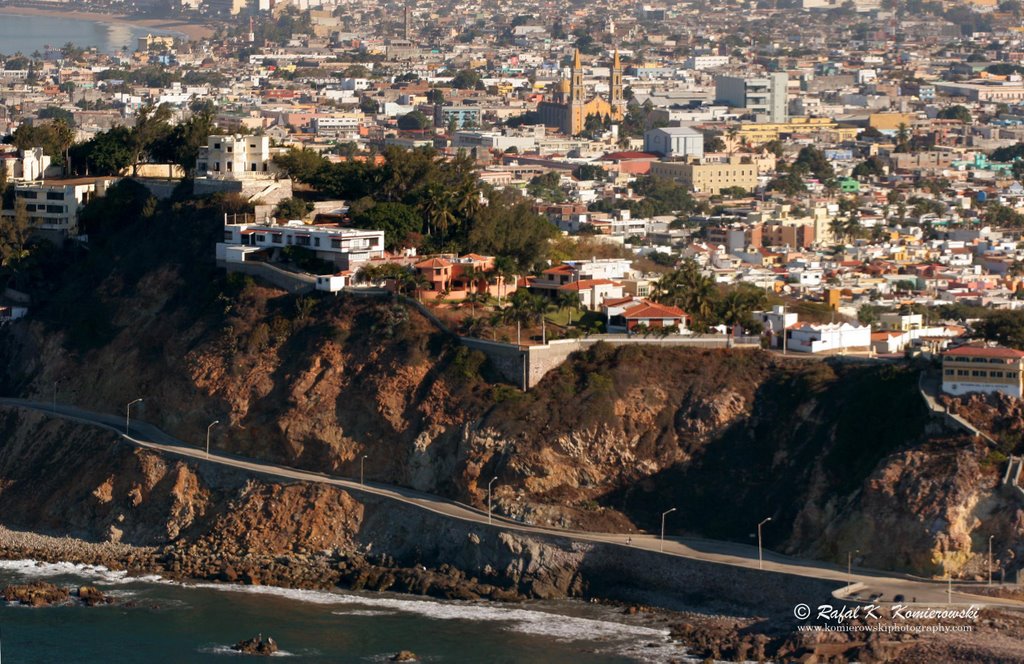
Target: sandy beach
pixel 191 30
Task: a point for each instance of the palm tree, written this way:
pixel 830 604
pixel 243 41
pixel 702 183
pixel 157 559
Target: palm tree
pixel 568 300
pixel 471 274
pixel 523 310
pixel 497 318
pixel 540 305
pixel 902 137
pixel 414 281
pixel 438 208
pixel 474 299
pixel 686 287
pixel 838 228
pixel 700 294
pixel 732 132
pixel 853 227
pixel 503 269
pixel 65 137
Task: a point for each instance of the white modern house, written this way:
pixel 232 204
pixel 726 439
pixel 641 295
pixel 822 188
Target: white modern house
pixel 810 338
pixel 345 247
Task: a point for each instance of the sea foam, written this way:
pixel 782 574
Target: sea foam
pixel 38 570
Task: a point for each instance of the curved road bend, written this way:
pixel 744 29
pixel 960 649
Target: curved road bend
pixel 148 436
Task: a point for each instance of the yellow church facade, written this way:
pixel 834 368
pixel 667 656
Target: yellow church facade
pixel 569 108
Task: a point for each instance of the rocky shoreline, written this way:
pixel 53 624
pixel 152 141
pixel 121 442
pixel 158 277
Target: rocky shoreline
pixel 714 637
pixel 304 570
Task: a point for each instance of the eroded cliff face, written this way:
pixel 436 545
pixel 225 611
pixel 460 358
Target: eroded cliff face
pixel 837 455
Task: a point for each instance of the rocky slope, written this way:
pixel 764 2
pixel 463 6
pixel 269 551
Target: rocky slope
pixel 836 454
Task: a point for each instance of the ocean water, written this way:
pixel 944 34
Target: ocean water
pixel 28 34
pixel 157 621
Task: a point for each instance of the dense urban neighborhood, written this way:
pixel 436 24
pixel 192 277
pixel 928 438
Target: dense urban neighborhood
pixel 668 170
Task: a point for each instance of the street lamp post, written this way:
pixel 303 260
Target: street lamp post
pixel 663 515
pixel 990 559
pixel 783 329
pixel 760 558
pixel 128 414
pixel 849 567
pixel 489 499
pixel 208 436
pixel 362 460
pixel 55 396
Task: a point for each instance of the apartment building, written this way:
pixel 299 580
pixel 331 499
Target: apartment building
pixel 734 237
pixel 460 116
pixel 53 205
pixel 709 178
pixel 983 369
pixel 236 158
pixel 763 96
pixel 794 235
pixel 339 125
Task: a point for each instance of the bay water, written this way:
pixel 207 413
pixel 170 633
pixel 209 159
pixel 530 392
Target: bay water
pixel 157 621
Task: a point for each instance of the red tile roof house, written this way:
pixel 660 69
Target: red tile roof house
pixel 625 314
pixel 447 274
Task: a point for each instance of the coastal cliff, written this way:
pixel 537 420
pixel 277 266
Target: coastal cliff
pixel 834 452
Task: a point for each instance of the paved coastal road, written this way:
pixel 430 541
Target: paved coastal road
pixel 727 553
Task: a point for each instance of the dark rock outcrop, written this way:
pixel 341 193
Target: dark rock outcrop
pixel 257 645
pixel 37 593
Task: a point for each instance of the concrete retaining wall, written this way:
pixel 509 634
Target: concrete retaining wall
pixel 287 281
pixel 596 569
pixel 252 189
pixel 928 384
pixel 160 188
pixel 525 366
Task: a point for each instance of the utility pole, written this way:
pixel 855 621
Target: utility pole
pixel 783 328
pixel 990 559
pixel 128 414
pixel 760 558
pixel 208 437
pixel 663 515
pixel 489 499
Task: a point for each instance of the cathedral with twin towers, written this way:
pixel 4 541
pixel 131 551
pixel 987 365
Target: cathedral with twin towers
pixel 569 106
